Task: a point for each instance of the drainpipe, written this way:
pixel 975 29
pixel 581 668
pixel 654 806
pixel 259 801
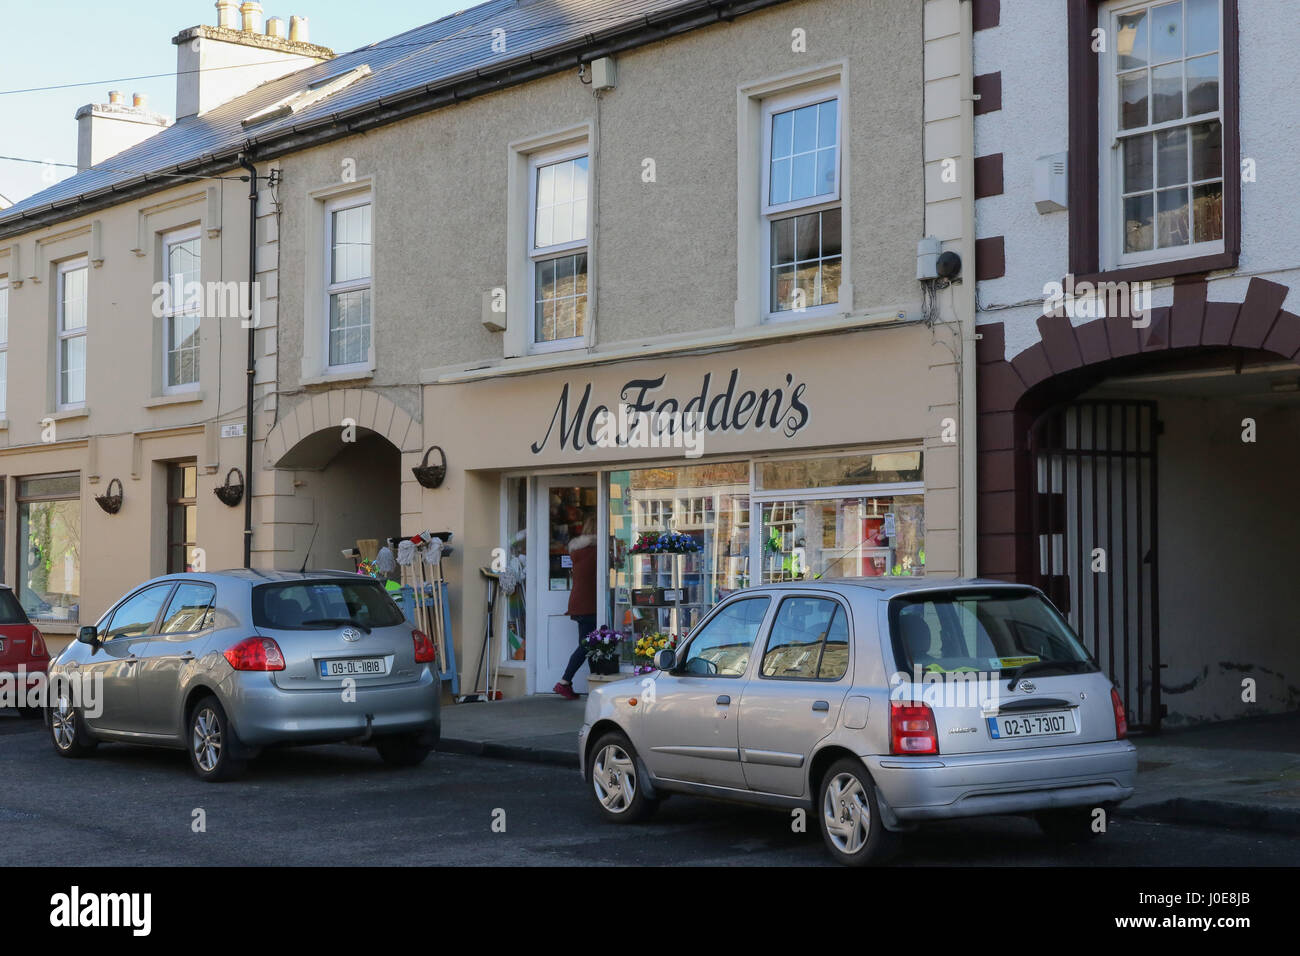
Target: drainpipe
pixel 248 165
pixel 964 300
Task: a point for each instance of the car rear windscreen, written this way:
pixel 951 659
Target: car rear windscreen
pixel 11 612
pixel 955 631
pixel 323 604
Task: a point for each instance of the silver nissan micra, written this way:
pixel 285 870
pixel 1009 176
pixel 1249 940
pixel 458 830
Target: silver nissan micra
pixel 876 704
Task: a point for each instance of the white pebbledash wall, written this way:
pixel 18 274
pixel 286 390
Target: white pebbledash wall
pixel 1029 48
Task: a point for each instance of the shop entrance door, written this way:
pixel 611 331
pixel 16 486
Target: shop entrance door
pixel 565 503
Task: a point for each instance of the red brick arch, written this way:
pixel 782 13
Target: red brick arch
pixel 1011 393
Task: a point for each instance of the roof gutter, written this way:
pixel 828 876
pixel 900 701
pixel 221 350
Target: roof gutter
pixel 455 89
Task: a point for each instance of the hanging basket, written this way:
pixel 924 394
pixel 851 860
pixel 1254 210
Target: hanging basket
pixel 110 502
pixel 231 494
pixel 431 476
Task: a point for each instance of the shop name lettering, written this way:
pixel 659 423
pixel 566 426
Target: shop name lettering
pixel 732 409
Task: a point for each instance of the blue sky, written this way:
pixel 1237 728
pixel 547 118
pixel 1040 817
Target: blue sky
pixel 102 42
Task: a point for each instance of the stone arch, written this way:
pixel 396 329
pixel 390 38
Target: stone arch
pixel 371 411
pixel 1010 393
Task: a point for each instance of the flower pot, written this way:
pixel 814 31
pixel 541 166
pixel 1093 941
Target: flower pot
pixel 603 665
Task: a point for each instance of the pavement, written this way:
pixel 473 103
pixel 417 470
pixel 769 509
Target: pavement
pixel 1240 774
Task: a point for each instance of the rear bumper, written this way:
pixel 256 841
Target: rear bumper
pixel 943 787
pixel 263 714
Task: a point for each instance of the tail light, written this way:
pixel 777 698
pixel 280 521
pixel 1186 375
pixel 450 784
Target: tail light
pixel 912 728
pixel 38 644
pixel 256 654
pixel 1121 719
pixel 425 652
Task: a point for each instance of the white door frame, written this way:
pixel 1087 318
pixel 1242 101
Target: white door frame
pixel 539 563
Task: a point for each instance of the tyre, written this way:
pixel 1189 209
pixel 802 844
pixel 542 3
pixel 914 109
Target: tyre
pixel 213 745
pixel 402 750
pixel 849 812
pixel 615 781
pixel 68 731
pixel 1068 824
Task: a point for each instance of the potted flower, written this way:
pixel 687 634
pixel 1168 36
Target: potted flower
pixel 665 542
pixel 647 646
pixel 602 650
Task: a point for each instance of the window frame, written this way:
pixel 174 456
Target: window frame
pixel 175 309
pixel 770 105
pixel 536 161
pixel 1085 161
pixel 181 501
pixel 771 630
pixel 1111 184
pixel 331 288
pixel 21 502
pixel 106 624
pixel 210 617
pixel 61 335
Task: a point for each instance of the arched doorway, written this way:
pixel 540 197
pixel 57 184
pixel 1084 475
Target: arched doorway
pixel 1144 478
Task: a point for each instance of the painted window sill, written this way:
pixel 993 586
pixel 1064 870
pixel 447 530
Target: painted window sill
pixel 68 414
pixel 179 398
pixel 622 351
pixel 334 378
pixel 4 424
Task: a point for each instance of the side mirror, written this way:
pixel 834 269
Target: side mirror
pixel 88 635
pixel 666 660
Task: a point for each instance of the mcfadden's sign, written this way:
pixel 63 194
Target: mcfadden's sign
pixel 648 418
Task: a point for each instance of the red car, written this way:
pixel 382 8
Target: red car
pixel 21 645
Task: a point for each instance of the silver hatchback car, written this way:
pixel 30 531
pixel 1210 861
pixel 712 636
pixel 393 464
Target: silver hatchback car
pixel 874 703
pixel 224 664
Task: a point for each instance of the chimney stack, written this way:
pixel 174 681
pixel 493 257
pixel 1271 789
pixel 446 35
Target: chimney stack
pixel 251 11
pixel 216 64
pixel 106 129
pixel 228 14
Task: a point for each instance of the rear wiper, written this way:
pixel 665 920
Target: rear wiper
pixel 344 621
pixel 1041 665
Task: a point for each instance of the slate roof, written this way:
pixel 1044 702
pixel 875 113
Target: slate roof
pixel 453 49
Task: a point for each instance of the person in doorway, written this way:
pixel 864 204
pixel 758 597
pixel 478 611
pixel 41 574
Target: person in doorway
pixel 582 601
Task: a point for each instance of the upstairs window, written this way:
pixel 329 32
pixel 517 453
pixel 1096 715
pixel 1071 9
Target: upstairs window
pixel 801 202
pixel 557 244
pixel 181 315
pixel 72 314
pixel 1162 117
pixel 348 278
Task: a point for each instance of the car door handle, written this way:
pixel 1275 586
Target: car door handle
pixel 130 660
pixel 821 706
pixel 724 700
pixel 187 656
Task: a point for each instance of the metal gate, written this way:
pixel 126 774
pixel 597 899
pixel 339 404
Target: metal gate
pixel 1094 524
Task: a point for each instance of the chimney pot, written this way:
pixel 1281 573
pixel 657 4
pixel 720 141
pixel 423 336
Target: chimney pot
pixel 298 29
pixel 139 100
pixel 228 14
pixel 275 28
pixel 115 97
pixel 252 13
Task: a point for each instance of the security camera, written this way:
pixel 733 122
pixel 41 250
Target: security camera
pixel 949 265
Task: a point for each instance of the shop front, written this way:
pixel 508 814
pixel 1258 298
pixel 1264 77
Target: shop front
pixel 692 477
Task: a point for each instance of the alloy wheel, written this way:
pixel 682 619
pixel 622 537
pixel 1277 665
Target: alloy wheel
pixel 846 814
pixel 613 776
pixel 206 739
pixel 63 724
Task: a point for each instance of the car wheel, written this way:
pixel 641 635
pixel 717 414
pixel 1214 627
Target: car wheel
pixel 851 824
pixel 68 731
pixel 615 781
pixel 1067 824
pixel 402 750
pixel 212 742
